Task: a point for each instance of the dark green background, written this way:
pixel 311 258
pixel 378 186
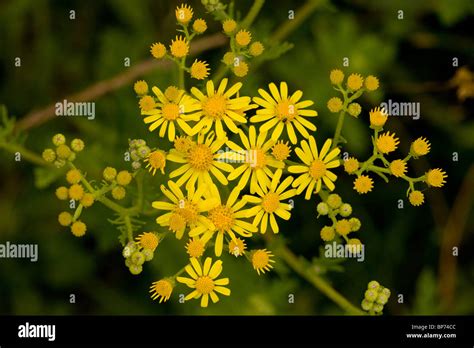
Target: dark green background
pixel 413 59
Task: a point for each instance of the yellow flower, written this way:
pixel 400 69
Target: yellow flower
pixel 170 113
pixel 158 50
pixel 398 168
pixel 435 177
pixel 281 150
pixel 140 87
pixel 271 203
pixel 377 117
pixel 173 94
pixel 73 176
pixel 87 200
pixel 109 173
pixel 184 14
pixel 228 58
pixel 256 161
pixel 241 69
pixel 156 160
pixel 62 193
pixel 183 144
pixel 76 192
pixel 387 142
pixel 316 167
pixel 336 76
pixel 335 104
pixel 229 25
pixel 63 151
pixel 262 260
pixel 416 198
pixel 280 110
pixel 218 107
pixel 199 70
pixel 371 83
pixel 343 227
pixel 65 218
pixel 327 233
pixel 195 248
pixel 243 37
pixel 200 161
pixel 148 240
pixel 363 184
pixel 226 218
pixel 355 81
pixel 203 281
pixel 118 193
pixel 184 211
pixel 161 289
pixel 256 48
pixel 179 47
pixel 199 26
pixel 78 228
pixel 146 103
pixel 124 178
pixel 351 165
pixel 420 147
pixel 237 247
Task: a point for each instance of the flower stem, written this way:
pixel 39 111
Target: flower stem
pixel 25 153
pixel 252 14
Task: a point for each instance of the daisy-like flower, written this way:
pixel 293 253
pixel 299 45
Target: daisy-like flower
pixel 237 247
pixel 435 177
pixel 218 107
pixel 416 198
pixel 199 70
pixel 184 211
pixel 167 114
pixel 161 289
pixel 387 142
pixel 148 240
pixel 203 281
pixel 316 167
pixel 270 203
pixel 420 147
pixel 377 118
pixel 184 13
pixel 280 110
pixel 200 161
pixel 195 247
pixel 226 218
pixel 281 150
pixel 363 184
pixel 156 160
pixel 398 168
pixel 179 47
pixel 256 160
pixel 262 260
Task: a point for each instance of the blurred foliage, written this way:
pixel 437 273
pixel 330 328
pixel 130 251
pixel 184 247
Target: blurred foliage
pixel 412 58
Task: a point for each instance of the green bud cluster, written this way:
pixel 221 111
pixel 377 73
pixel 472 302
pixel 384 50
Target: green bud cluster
pixel 375 297
pixel 135 256
pixel 62 152
pixel 138 152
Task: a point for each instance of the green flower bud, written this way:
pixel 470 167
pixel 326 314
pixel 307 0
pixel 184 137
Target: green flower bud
pixel 49 155
pixel 334 200
pixel 386 292
pixel 135 269
pixel 71 157
pixel 374 285
pixel 126 252
pixel 345 210
pixel 143 151
pixel 355 224
pixel 366 305
pixel 141 142
pixel 128 262
pixel 136 165
pixel 59 163
pixel 382 299
pixel 77 145
pixel 377 308
pixel 134 155
pixel 322 208
pixel 137 258
pixel 354 109
pixel 148 254
pixel 59 139
pixel 370 295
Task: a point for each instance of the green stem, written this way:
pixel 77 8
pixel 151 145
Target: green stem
pixel 181 73
pixel 252 14
pixel 337 133
pixel 128 224
pixel 25 153
pixel 318 282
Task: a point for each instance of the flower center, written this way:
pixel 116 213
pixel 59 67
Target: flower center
pixel 157 160
pixel 281 151
pixel 195 248
pixel 177 222
pixel 204 285
pixel 257 159
pixel 260 259
pixel 317 169
pixel 200 157
pixel 271 202
pixel 170 111
pixel 285 111
pixel 188 211
pixel 222 218
pixel 215 106
pixel 163 288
